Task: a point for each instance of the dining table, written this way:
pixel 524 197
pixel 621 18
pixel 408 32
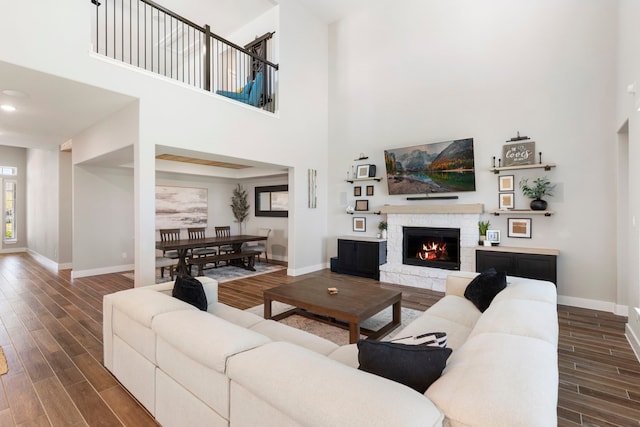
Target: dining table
pixel 184 246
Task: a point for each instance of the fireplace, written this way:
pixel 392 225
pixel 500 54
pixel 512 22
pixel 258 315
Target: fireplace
pixel 431 247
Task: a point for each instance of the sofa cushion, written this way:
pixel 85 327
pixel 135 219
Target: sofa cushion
pixel 315 390
pixel 281 332
pixel 485 287
pixel 528 290
pixel 189 290
pixel 234 315
pixel 535 319
pixel 205 338
pixel 346 354
pixel 209 285
pixel 416 366
pixel 499 379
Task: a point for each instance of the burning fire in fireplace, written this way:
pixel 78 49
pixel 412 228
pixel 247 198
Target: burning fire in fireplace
pixel 432 251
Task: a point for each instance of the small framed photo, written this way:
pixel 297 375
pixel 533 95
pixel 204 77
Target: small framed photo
pixel 362 205
pixel 505 183
pixel 369 190
pixel 519 227
pixel 362 171
pixel 359 223
pixel 493 236
pixel 357 191
pixel 507 200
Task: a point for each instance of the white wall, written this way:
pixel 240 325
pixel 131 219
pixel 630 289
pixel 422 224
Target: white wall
pixel 434 71
pixel 43 189
pixel 17 157
pixel 627 110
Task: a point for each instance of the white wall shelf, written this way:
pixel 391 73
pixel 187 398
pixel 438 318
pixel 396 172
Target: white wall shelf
pixel 371 178
pixel 545 166
pixel 520 212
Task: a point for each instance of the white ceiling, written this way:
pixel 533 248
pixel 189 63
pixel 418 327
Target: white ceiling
pixel 53 110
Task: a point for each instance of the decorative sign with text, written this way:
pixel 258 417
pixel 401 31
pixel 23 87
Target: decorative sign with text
pixel 519 153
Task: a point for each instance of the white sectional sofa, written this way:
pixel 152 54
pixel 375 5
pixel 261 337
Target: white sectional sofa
pixel 230 367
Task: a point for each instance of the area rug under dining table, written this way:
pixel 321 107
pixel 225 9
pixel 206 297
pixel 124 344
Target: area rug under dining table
pixel 334 333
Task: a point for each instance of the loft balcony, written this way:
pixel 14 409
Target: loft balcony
pixel 148 36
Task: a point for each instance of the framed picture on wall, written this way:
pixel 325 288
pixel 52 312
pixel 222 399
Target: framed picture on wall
pixel 362 171
pixel 507 200
pixel 369 190
pixel 519 227
pixel 357 191
pixel 505 183
pixel 362 205
pixel 359 223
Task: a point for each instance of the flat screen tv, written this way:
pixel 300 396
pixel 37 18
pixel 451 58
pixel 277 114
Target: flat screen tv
pixel 441 167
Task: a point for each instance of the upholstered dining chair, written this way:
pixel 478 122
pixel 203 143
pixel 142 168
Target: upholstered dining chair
pixel 261 245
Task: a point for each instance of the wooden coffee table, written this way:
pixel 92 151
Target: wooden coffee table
pixel 354 303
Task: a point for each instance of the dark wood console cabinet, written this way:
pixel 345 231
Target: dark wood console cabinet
pixel 523 262
pixel 361 257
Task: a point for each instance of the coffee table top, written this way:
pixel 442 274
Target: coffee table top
pixel 353 302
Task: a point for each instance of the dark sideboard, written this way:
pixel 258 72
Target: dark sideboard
pixel 531 263
pixel 361 256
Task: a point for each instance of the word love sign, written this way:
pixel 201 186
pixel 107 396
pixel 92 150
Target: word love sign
pixel 520 153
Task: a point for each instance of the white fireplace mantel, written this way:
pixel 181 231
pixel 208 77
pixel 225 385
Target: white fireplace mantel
pixel 475 208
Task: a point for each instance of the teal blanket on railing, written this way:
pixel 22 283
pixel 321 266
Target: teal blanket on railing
pixel 251 93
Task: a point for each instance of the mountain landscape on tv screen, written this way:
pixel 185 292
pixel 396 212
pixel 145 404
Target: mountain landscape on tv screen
pixel 441 167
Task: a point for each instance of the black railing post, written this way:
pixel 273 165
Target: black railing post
pixel 207 58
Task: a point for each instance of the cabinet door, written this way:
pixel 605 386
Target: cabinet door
pixel 347 254
pixel 541 267
pixel 501 261
pixel 367 258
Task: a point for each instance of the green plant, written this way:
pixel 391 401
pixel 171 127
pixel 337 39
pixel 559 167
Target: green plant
pixel 239 204
pixel 382 225
pixel 539 188
pixel 483 226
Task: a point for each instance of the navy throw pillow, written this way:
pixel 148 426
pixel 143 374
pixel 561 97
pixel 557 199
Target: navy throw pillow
pixel 190 290
pixel 484 287
pixel 416 366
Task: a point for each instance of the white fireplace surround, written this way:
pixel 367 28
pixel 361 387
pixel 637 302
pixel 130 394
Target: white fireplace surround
pixel 464 217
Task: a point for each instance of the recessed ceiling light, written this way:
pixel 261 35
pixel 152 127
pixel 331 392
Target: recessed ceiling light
pixel 15 93
pixel 8 108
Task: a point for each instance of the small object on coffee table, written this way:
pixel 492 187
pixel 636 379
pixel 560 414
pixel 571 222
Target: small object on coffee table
pixel 332 291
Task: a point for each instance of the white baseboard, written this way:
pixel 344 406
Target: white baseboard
pixel 76 274
pixel 12 250
pixel 633 340
pixel 592 304
pixel 305 270
pixel 47 262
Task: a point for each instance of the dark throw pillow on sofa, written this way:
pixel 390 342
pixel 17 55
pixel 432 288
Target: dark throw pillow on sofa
pixel 416 366
pixel 189 289
pixel 484 287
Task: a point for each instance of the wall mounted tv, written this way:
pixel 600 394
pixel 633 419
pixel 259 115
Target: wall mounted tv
pixel 441 167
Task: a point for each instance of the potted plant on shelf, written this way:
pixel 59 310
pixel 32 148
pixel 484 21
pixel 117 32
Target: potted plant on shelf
pixel 483 226
pixel 539 188
pixel 382 227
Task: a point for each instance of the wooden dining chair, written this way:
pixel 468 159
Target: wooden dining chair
pixel 200 233
pixel 169 235
pixel 224 231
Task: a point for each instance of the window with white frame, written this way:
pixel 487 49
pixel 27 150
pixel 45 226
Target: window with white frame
pixel 9 187
pixel 10 211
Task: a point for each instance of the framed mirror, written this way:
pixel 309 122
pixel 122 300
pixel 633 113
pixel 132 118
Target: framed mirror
pixel 272 200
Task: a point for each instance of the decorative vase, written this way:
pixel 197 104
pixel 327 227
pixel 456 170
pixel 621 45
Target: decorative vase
pixel 384 234
pixel 483 237
pixel 538 205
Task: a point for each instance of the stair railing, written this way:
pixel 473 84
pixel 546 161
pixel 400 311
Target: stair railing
pixel 146 35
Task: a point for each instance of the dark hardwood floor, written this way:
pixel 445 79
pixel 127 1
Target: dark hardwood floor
pixel 51 333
